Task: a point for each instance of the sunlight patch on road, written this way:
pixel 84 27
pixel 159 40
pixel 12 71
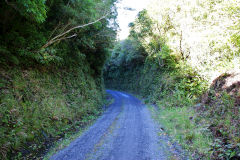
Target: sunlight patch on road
pixel 124 95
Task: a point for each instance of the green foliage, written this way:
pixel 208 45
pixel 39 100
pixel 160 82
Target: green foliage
pixel 202 32
pixel 158 61
pixel 182 125
pixel 185 50
pixel 39 107
pixel 223 114
pixel 34 10
pixel 142 27
pixel 236 40
pixel 23 40
pixel 49 90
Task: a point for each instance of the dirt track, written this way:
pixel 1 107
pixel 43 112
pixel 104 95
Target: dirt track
pixel 125 131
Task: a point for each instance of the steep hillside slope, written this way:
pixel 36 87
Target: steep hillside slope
pixel 40 105
pixel 51 59
pixel 184 57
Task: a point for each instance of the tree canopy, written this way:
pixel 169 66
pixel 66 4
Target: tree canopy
pixel 55 31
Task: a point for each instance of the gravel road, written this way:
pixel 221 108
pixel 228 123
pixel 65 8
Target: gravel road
pixel 125 131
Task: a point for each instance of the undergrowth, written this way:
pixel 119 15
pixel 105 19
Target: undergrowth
pixel 177 90
pixel 181 125
pixel 40 106
pixel 71 136
pixel 175 65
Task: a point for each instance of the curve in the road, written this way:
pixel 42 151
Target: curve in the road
pixel 125 131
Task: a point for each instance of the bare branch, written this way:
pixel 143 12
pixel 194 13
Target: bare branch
pixel 58 37
pixel 54 31
pixel 74 35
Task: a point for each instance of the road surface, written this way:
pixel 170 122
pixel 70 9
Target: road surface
pixel 125 131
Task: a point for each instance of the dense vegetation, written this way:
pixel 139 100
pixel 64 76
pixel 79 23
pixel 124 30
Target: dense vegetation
pixel 51 58
pixel 184 57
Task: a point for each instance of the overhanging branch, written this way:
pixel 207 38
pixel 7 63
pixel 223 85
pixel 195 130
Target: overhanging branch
pixel 61 35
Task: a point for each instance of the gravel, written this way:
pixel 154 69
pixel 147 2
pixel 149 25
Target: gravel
pixel 125 131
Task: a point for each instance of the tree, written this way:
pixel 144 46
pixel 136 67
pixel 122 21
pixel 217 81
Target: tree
pixel 35 10
pixel 31 31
